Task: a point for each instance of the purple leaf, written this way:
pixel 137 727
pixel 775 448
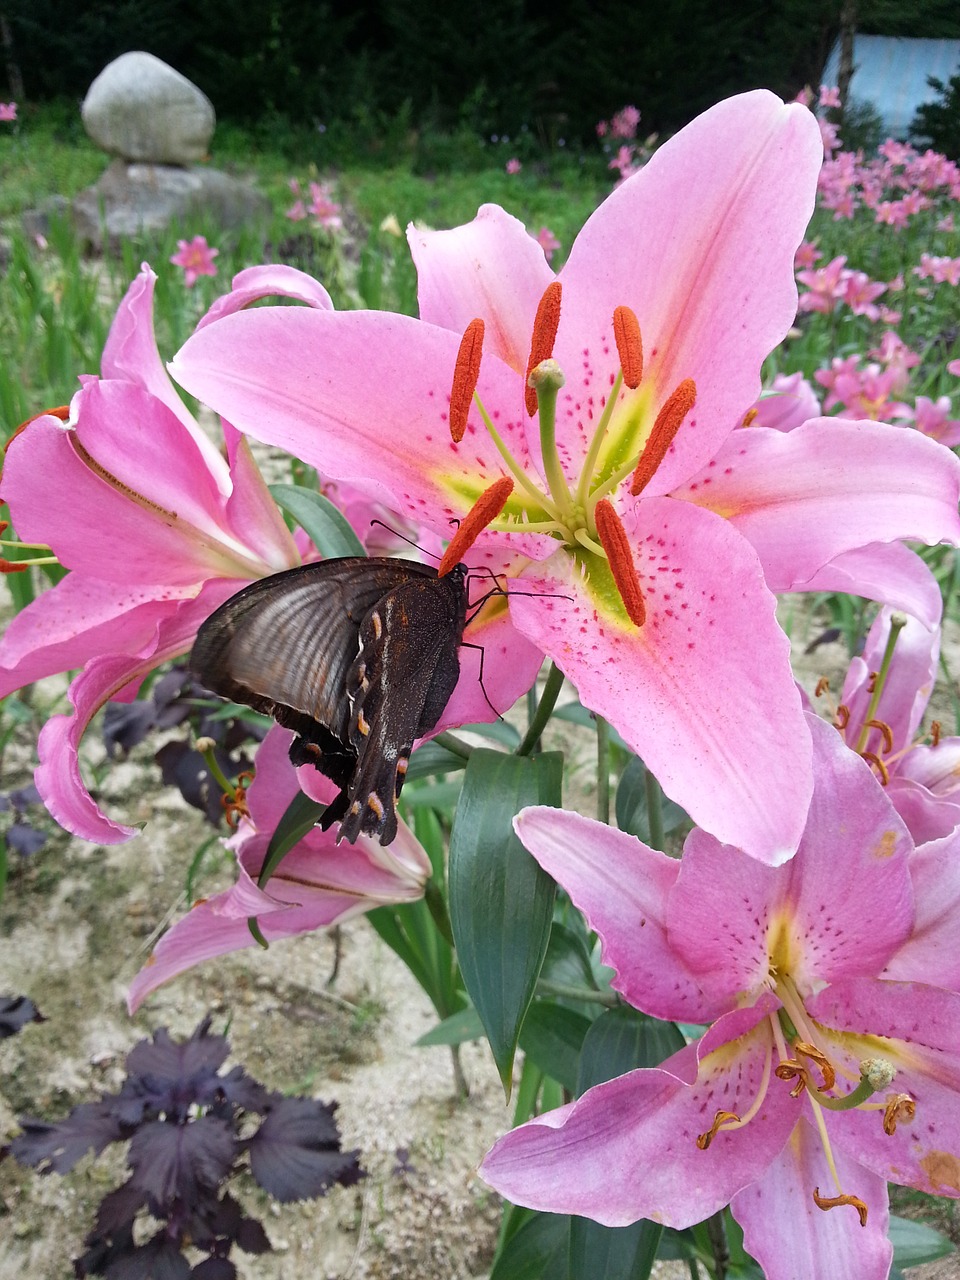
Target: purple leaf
pixel 296 1151
pixel 181 1161
pixel 56 1148
pixel 15 1013
pixel 214 1269
pixel 125 724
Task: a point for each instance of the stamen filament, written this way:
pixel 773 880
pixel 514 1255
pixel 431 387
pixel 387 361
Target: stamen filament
pixel 897 622
pixel 21 566
pixel 591 544
pixel 590 461
pixel 518 473
pixel 545 327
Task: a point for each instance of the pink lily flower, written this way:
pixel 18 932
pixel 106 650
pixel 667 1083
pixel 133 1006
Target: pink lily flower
pixel 156 526
pixel 833 1059
pixel 789 402
pixel 8 112
pixel 196 257
pixel 921 773
pixel 653 605
pixel 319 883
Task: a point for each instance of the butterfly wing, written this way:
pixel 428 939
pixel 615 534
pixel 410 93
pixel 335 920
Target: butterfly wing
pixel 285 644
pixel 404 675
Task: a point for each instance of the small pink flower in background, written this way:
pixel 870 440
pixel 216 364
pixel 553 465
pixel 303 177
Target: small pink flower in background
pixel 603 128
pixel 513 165
pixel 623 162
pixel 624 123
pixel 323 208
pixel 547 241
pixel 932 417
pixel 940 270
pixel 829 96
pixel 946 224
pixel 954 368
pixel 790 402
pixel 859 292
pixel 805 96
pixel 8 112
pixel 807 255
pixel 894 353
pixel 297 211
pixel 863 393
pixel 196 257
pixel 826 286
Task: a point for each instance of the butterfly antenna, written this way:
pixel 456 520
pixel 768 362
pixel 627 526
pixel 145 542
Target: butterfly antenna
pixel 403 538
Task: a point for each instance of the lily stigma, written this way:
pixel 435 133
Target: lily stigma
pixel 624 444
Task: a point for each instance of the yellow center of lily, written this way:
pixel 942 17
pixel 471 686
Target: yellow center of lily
pixel 579 516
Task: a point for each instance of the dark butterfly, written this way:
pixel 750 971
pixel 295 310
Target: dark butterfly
pixel 358 656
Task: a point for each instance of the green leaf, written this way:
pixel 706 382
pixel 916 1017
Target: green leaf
pixel 299 818
pixel 621 1040
pixel 501 902
pixel 916 1242
pixel 456 1029
pixel 327 527
pixel 430 759
pixel 631 804
pixel 536 1251
pixel 553 1036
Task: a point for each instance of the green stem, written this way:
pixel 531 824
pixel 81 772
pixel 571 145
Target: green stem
pixel 456 746
pixel 548 700
pixel 587 994
pixel 603 770
pixel 897 622
pixel 717 1233
pixel 654 809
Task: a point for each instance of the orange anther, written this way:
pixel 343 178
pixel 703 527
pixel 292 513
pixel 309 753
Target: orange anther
pixel 61 411
pixel 678 405
pixel 486 508
pixel 10 566
pixel 833 1202
pixel 935 733
pixel 750 417
pixel 823 684
pixel 544 335
pixel 465 375
pixel 882 770
pixel 842 717
pixel 900 1107
pixel 790 1068
pixel 885 732
pixel 626 332
pixel 805 1050
pixel 614 540
pixel 719 1120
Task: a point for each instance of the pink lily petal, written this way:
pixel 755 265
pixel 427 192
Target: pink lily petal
pixel 492 269
pixel 916 1027
pixel 791 1237
pixel 389 433
pixel 114 676
pixel 934 945
pixel 752 162
pixel 806 496
pixel 317 884
pixel 720 896
pixel 627 1149
pixel 174 534
pixel 927 816
pixel 130 354
pixel 937 768
pixel 76 620
pixel 251 513
pixel 887 572
pixel 617 881
pixel 255 283
pixel 692 708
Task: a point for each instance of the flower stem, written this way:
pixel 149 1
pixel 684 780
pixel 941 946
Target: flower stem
pixel 548 700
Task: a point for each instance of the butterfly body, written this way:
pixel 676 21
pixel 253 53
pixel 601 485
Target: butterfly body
pixel 358 656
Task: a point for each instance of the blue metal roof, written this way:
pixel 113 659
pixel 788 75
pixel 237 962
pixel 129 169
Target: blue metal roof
pixel 891 72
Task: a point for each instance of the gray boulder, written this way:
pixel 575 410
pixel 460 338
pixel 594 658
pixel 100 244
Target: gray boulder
pixel 130 199
pixel 140 109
